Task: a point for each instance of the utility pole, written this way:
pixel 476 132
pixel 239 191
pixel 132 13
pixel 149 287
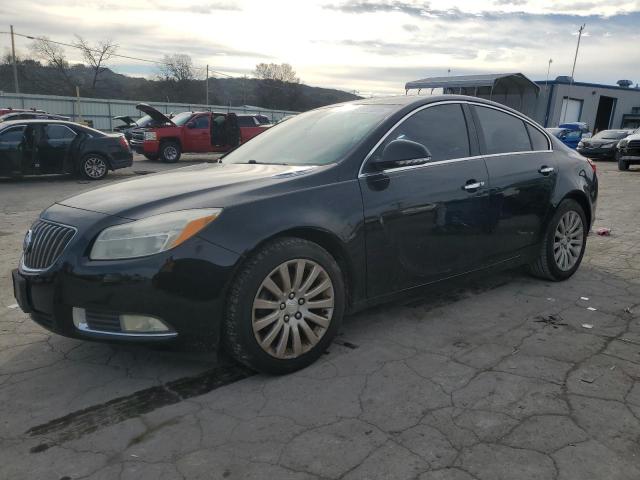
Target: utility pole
pixel 573 69
pixel 546 84
pixel 206 85
pixel 15 66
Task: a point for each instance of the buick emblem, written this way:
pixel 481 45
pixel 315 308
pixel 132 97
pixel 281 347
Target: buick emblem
pixel 26 244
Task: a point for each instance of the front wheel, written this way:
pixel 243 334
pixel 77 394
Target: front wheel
pixel 622 165
pixel 170 152
pixel 94 167
pixel 284 307
pixel 563 244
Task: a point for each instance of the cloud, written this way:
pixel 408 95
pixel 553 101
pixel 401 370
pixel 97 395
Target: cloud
pixel 510 2
pixel 410 28
pixel 205 8
pixel 381 47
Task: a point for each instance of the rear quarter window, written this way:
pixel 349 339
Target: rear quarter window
pixel 538 139
pixel 502 133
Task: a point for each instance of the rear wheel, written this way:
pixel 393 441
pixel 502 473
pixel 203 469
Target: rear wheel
pixel 285 306
pixel 170 152
pixel 94 167
pixel 622 165
pixel 563 244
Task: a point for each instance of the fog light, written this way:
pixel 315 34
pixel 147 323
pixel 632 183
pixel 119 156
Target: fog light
pixel 141 324
pixel 80 318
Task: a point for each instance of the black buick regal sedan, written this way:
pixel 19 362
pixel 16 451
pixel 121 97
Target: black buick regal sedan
pixel 49 146
pixel 332 211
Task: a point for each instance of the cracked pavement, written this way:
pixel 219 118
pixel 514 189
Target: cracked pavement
pixel 488 379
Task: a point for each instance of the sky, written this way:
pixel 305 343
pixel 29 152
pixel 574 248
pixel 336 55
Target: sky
pixel 372 47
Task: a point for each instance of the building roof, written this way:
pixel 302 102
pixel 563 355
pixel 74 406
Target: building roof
pixel 587 84
pixel 470 81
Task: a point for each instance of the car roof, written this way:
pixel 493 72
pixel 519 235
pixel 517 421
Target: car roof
pixel 37 121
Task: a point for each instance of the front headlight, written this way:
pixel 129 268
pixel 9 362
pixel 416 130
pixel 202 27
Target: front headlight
pixel 151 235
pixel 150 136
pixel 623 143
pixel 580 144
pixel 607 145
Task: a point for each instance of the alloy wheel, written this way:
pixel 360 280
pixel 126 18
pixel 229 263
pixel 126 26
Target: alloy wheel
pixel 568 240
pixel 293 308
pixel 95 167
pixel 170 153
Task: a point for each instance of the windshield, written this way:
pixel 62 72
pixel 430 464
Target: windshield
pixel 318 137
pixel 611 135
pixel 182 118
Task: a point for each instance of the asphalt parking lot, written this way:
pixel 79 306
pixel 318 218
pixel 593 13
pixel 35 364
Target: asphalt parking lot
pixel 499 377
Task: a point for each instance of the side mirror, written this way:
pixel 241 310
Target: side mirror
pixel 402 153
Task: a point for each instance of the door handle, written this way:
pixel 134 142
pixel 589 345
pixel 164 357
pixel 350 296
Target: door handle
pixel 473 186
pixel 544 170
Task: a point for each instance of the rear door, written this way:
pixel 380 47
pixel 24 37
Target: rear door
pixel 428 221
pixel 53 147
pixel 197 134
pixel 523 173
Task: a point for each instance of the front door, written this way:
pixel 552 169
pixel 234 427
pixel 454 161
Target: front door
pixel 197 136
pixel 12 142
pixel 429 221
pixel 523 174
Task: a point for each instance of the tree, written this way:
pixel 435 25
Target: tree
pixel 53 55
pixel 96 56
pixel 279 86
pixel 272 71
pixel 177 67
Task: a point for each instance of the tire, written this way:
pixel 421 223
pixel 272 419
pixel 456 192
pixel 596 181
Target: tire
pixel 170 152
pixel 265 339
pixel 94 166
pixel 622 165
pixel 151 157
pixel 548 265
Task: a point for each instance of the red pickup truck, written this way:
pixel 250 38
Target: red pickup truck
pixel 193 132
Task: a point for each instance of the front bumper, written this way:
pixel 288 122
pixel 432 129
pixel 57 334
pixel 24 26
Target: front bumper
pixel 184 287
pixel 629 155
pixel 597 152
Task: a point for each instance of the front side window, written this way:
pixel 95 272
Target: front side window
pixel 12 136
pixel 59 132
pixel 246 122
pixel 442 129
pixel 503 133
pixel 201 122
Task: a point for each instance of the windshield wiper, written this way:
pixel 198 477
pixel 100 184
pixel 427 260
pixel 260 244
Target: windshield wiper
pixel 257 162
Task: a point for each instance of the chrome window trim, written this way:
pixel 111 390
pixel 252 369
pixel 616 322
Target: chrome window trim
pixel 24 269
pixel 361 174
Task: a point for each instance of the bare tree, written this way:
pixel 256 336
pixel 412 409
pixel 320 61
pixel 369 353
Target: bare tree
pixel 53 56
pixel 272 71
pixel 96 56
pixel 177 67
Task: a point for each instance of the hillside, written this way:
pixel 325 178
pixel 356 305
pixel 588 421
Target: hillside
pixel 38 79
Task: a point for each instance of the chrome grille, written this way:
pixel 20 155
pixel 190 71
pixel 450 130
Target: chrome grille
pixel 633 144
pixel 48 240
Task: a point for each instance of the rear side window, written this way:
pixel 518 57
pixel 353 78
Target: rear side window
pixel 503 133
pixel 59 132
pixel 538 139
pixel 442 129
pixel 246 122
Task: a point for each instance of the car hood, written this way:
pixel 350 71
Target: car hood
pixel 158 116
pixel 198 186
pixel 597 142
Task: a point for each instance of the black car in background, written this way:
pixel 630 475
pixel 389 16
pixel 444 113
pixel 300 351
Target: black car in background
pixel 332 211
pixel 34 147
pixel 603 144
